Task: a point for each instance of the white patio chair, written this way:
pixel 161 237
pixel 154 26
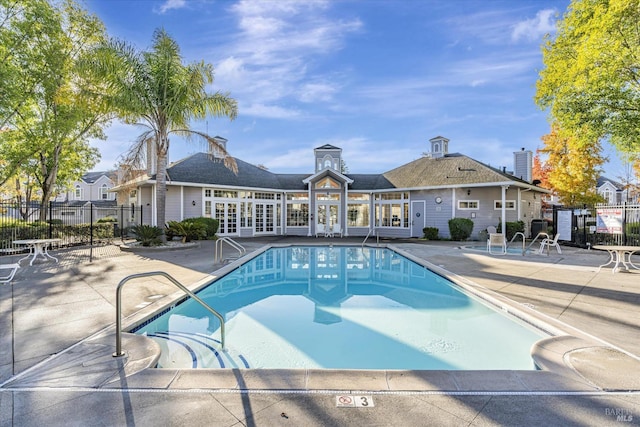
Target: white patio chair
pixel 549 243
pixel 320 230
pixel 6 278
pixel 491 229
pixel 336 229
pixel 497 240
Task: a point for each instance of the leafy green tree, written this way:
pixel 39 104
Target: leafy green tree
pixel 573 167
pixel 591 74
pixel 48 130
pixel 156 91
pixel 25 27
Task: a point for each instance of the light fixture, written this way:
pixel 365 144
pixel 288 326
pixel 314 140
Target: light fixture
pixel 193 203
pixel 468 192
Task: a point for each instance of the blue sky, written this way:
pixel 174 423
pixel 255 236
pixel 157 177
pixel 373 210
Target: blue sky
pixel 376 78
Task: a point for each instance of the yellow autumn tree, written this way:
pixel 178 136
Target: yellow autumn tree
pixel 574 164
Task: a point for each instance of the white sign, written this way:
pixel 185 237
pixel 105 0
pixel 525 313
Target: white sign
pixel 609 220
pixel 564 225
pixel 350 401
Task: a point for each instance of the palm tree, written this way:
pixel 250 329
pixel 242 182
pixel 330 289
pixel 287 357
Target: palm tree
pixel 156 91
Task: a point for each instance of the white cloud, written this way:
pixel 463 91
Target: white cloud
pixel 321 91
pixel 273 56
pixel 534 29
pixel 269 111
pixel 171 4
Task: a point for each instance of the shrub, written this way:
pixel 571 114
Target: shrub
pixel 189 230
pixel 210 225
pixel 107 219
pixel 430 233
pixel 460 228
pixel 147 235
pixel 512 228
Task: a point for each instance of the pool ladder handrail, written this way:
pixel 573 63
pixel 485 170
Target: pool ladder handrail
pixel 372 230
pixel 519 233
pixel 119 352
pixel 218 247
pixel 524 250
pixel 540 234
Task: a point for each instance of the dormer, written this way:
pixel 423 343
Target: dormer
pixel 222 142
pixel 328 156
pixel 439 146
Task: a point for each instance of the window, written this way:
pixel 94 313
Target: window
pixel 510 205
pixel 327 183
pixel 225 194
pixel 133 194
pixel 392 210
pixel 358 215
pixel 78 192
pixel 104 195
pixel 468 204
pixel 358 210
pixel 297 214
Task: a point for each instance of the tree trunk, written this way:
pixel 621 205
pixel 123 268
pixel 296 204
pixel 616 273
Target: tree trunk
pixel 161 190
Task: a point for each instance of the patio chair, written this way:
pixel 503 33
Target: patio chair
pixel 548 243
pixel 336 229
pixel 491 229
pixel 320 230
pixel 6 278
pixel 497 240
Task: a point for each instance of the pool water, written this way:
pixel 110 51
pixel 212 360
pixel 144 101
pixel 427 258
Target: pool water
pixel 340 308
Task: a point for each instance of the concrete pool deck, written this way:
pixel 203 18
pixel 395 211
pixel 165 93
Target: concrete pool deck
pixel 51 374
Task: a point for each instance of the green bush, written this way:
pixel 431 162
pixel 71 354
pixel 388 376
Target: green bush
pixel 460 228
pixel 430 233
pixel 512 228
pixel 189 230
pixel 107 219
pixel 210 225
pixel 632 228
pixel 147 235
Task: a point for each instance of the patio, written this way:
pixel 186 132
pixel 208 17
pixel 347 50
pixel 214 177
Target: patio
pixel 50 307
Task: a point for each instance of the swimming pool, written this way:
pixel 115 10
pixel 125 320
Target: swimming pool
pixel 340 307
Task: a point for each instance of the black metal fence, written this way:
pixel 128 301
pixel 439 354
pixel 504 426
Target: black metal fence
pixel 600 224
pixel 75 223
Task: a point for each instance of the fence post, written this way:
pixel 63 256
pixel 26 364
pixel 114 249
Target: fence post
pixel 91 232
pixel 50 213
pixel 624 223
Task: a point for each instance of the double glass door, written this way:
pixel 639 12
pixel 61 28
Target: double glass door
pixel 327 214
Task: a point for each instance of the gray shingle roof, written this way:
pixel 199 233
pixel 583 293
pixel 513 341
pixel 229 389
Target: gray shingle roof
pixel 452 169
pixel 91 177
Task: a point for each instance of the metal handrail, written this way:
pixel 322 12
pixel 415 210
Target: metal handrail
pixel 372 230
pixel 544 236
pixel 119 352
pixel 218 247
pixel 523 239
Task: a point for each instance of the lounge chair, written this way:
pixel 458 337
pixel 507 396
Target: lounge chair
pixel 548 243
pixel 6 277
pixel 321 230
pixel 336 229
pixel 497 239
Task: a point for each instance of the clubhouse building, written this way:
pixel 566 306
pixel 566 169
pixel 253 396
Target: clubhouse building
pixel 399 203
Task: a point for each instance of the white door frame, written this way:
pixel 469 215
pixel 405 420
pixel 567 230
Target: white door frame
pixel 418 217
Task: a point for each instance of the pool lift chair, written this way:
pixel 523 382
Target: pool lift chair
pixel 497 240
pixel 548 243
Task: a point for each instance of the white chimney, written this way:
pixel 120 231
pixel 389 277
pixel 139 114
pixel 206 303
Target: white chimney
pixel 523 164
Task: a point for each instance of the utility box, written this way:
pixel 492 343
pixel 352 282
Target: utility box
pixel 538 226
